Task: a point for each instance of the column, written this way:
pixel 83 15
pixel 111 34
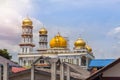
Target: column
pixel 79 61
pixel 5 71
pixel 22 62
pixel 68 72
pixel 72 61
pixel 19 61
pixel 33 72
pixel 53 71
pixel 75 60
pixel 27 61
pixel 0 72
pixel 61 71
pixel 87 62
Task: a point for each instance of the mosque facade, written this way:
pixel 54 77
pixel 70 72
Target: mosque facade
pixel 81 54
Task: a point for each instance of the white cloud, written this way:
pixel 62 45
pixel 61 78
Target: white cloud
pixel 115 33
pixel 116 30
pixel 115 48
pixel 84 3
pixel 11 15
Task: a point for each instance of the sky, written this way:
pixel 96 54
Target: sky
pixel 95 21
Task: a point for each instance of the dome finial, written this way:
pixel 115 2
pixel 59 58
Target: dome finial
pixel 43 25
pixel 58 34
pixel 27 21
pixel 43 31
pixel 27 16
pixel 80 35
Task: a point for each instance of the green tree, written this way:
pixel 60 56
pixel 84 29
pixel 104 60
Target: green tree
pixel 4 53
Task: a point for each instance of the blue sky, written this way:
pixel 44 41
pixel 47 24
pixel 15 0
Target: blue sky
pixel 96 21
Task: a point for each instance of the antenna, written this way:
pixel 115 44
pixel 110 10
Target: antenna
pixel 43 25
pixel 80 35
pixel 58 31
pixel 27 15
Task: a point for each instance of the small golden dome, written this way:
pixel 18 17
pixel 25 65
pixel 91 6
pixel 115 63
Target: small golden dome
pixel 43 31
pixel 79 43
pixel 88 48
pixel 27 22
pixel 58 42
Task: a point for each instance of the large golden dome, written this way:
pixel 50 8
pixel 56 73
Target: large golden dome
pixel 88 48
pixel 27 22
pixel 79 43
pixel 43 31
pixel 58 42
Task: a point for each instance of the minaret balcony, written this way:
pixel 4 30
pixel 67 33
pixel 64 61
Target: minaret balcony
pixel 27 34
pixel 27 44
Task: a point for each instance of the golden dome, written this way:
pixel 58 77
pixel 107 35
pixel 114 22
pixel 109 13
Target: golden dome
pixel 58 42
pixel 79 43
pixel 43 31
pixel 88 48
pixel 27 22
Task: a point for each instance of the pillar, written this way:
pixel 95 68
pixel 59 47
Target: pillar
pixel 33 72
pixel 75 60
pixel 68 72
pixel 0 72
pixel 5 71
pixel 79 61
pixel 53 71
pixel 87 62
pixel 19 61
pixel 61 71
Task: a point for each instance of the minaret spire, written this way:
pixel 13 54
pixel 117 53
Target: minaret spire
pixel 26 44
pixel 42 40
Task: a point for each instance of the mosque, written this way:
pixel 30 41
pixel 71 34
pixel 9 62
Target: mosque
pixel 81 54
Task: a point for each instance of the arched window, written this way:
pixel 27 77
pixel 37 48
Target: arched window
pixel 77 61
pixel 83 61
pixel 23 50
pixel 41 61
pixel 24 63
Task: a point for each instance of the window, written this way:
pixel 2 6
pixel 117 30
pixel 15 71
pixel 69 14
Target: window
pixel 83 61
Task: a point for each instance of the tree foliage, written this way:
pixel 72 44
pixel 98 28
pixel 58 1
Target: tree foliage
pixel 4 53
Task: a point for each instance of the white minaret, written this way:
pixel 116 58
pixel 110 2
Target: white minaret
pixel 43 43
pixel 26 45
